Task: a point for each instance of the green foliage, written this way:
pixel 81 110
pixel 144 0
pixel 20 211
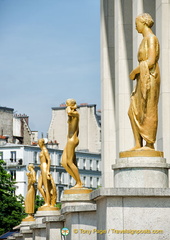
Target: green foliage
pixel 58 205
pixel 6 185
pixel 11 207
pixel 39 201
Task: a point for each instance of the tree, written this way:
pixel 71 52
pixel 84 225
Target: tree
pixel 11 206
pixel 39 201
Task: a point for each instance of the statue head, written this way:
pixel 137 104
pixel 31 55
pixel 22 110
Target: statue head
pixel 146 19
pixel 71 103
pixel 41 142
pixel 30 166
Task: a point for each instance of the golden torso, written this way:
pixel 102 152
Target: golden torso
pixel 73 129
pixel 143 52
pixel 43 161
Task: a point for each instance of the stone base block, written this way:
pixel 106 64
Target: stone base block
pixel 132 214
pixel 41 214
pixel 77 191
pixel 53 227
pixel 26 231
pixel 39 231
pixel 79 213
pixel 141 172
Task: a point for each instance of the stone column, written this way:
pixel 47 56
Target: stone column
pixel 108 89
pixel 116 62
pixel 123 66
pixel 163 34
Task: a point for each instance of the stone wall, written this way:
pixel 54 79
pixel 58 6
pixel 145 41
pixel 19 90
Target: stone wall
pixel 6 122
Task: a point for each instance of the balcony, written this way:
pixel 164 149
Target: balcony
pixel 13 162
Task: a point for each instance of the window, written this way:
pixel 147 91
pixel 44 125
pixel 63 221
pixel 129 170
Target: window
pixel 13 156
pixel 97 165
pixel 98 182
pixel 84 163
pixel 84 180
pixel 1 155
pixel 91 164
pixel 70 179
pixel 91 182
pixel 59 158
pixel 60 177
pixel 77 160
pixel 35 157
pixel 51 157
pixel 13 175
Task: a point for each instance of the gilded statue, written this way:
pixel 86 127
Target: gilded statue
pixel 46 184
pixel 30 196
pixel 68 157
pixel 143 110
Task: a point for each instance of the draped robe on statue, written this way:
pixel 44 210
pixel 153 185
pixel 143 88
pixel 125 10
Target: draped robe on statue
pixel 30 197
pixel 143 110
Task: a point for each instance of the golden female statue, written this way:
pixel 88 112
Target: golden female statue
pixel 68 157
pixel 30 197
pixel 46 184
pixel 143 110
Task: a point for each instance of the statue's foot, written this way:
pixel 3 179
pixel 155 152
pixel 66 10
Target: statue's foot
pixel 29 216
pixel 145 148
pixel 135 148
pixel 46 205
pixel 150 146
pixel 78 185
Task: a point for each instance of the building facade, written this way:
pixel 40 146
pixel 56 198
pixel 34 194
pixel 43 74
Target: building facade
pixel 17 157
pixel 15 127
pixel 6 122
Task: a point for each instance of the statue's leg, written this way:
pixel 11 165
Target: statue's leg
pixel 72 166
pixel 150 145
pixel 46 187
pixel 40 187
pixel 64 162
pixel 137 136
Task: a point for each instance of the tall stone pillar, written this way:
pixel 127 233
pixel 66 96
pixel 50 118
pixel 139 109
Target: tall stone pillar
pixel 116 62
pixel 163 34
pixel 123 66
pixel 108 91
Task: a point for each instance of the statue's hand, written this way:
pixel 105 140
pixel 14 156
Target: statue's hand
pixel 48 176
pixel 68 109
pixel 132 75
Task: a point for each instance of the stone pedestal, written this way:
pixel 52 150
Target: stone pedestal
pixel 39 231
pixel 77 191
pixel 53 227
pixel 141 172
pixel 11 238
pixel 18 236
pixel 25 230
pixel 42 214
pixel 27 234
pixel 132 214
pixel 79 214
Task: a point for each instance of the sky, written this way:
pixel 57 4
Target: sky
pixel 49 52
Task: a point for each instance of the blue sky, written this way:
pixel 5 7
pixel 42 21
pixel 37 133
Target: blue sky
pixel 49 51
